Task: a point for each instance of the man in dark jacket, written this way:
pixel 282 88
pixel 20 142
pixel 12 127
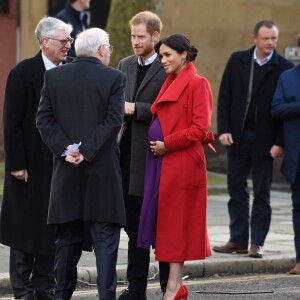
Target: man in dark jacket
pixel 145 76
pixel 286 108
pixel 82 108
pixel 28 166
pixel 252 137
pixel 74 14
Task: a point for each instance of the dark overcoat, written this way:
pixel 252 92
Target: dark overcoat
pixel 233 95
pixel 286 108
pixel 84 102
pixel 23 222
pixel 143 99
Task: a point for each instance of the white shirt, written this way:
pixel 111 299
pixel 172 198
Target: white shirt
pixel 48 63
pixel 148 61
pixel 263 62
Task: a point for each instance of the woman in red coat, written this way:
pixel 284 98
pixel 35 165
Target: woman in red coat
pixel 175 197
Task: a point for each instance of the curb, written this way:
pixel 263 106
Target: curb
pixel 216 266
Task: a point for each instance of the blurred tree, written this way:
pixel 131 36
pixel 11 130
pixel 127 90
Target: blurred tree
pixel 118 28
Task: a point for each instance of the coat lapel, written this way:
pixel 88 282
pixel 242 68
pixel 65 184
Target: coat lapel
pixel 245 67
pixel 132 70
pixel 155 67
pixel 38 79
pixel 172 88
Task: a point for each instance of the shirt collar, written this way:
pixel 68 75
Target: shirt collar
pixel 81 15
pixel 148 61
pixel 48 63
pixel 263 62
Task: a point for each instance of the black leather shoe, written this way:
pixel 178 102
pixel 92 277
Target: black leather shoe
pixel 27 297
pixel 45 296
pixel 128 295
pixel 231 248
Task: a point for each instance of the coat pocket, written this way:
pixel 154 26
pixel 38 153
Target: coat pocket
pixel 193 168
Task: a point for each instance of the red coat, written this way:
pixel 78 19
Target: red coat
pixel 184 108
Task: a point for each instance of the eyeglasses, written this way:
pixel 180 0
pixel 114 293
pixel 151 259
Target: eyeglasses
pixel 110 48
pixel 63 42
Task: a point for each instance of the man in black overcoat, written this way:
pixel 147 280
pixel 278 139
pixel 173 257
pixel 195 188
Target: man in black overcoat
pixel 253 139
pixel 28 168
pixel 79 117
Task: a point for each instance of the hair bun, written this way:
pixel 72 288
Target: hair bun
pixel 193 53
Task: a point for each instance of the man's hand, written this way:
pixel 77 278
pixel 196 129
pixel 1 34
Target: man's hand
pixel 20 174
pixel 74 159
pixel 226 139
pixel 129 108
pixel 276 151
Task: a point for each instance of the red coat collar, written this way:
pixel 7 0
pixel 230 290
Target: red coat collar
pixel 174 86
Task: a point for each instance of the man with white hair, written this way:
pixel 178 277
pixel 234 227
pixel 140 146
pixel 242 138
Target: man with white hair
pixel 28 168
pixel 79 117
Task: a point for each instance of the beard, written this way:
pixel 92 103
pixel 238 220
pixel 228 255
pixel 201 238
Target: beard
pixel 143 50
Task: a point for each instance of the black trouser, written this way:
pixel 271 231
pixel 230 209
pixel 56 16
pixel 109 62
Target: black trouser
pixel 296 213
pixel 138 258
pixel 31 274
pixel 239 166
pixel 69 244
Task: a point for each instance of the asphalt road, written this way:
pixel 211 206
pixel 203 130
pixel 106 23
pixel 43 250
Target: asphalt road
pixel 245 287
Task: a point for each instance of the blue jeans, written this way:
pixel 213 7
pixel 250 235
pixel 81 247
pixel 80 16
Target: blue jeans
pixel 239 167
pixel 296 213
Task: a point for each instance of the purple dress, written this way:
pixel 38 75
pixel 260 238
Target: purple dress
pixel 148 218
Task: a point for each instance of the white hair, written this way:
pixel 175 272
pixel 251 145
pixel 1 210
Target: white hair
pixel 47 27
pixel 89 41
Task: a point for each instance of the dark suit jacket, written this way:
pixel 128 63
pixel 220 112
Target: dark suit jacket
pixel 84 102
pixel 233 95
pixel 144 97
pixel 286 107
pixel 71 16
pixel 23 223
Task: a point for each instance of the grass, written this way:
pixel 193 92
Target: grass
pixel 216 178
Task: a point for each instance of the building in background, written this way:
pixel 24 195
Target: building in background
pixel 9 24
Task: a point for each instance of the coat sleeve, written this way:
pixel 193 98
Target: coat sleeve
pixel 51 133
pixel 224 101
pixel 14 111
pixel 285 106
pixel 200 115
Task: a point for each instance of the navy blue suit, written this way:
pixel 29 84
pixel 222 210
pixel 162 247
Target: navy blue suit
pixel 286 107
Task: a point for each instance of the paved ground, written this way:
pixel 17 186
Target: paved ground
pixel 279 246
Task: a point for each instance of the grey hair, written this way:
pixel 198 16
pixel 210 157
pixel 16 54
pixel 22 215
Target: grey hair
pixel 89 41
pixel 47 27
